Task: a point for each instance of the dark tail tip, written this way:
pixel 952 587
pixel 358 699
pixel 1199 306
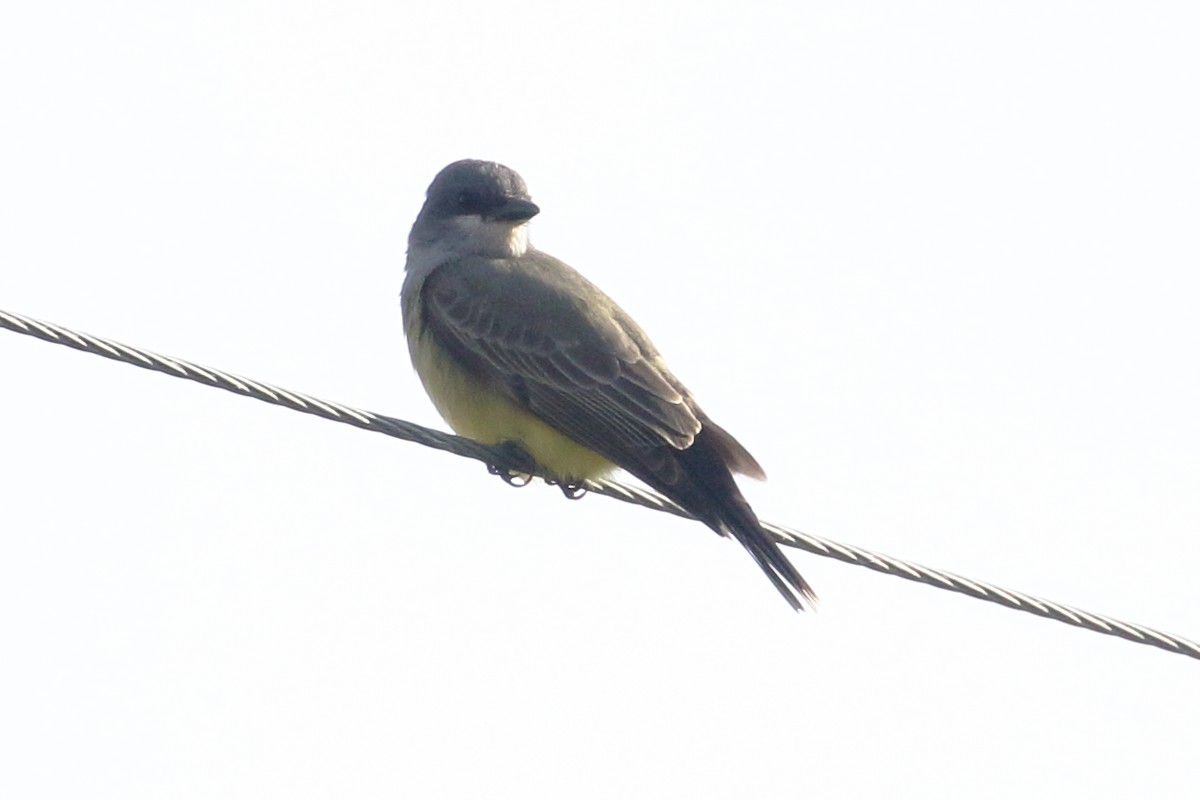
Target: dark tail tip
pixel 786 579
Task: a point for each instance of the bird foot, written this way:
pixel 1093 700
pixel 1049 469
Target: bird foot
pixel 570 489
pixel 517 466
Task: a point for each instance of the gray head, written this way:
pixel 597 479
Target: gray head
pixel 473 208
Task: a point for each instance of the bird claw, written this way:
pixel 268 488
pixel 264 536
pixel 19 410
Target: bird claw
pixel 517 479
pixel 518 466
pixel 570 489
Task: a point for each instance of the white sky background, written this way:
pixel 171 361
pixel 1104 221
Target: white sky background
pixel 935 264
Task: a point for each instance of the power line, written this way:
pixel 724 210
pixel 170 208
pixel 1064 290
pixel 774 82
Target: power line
pixel 503 459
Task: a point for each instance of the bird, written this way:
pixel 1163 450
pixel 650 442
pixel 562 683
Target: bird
pixel 516 348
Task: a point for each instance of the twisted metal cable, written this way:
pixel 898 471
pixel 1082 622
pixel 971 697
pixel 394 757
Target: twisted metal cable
pixel 504 460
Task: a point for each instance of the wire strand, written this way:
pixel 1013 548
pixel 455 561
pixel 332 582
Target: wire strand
pixel 503 459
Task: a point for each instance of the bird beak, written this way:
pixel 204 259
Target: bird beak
pixel 516 210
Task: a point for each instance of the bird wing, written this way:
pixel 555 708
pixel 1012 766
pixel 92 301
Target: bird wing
pixel 541 333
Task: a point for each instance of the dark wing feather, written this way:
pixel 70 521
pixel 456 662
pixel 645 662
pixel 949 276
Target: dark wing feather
pixel 537 330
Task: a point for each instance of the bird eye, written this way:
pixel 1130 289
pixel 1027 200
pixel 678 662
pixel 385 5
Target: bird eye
pixel 465 201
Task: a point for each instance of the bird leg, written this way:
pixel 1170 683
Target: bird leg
pixel 515 466
pixel 571 489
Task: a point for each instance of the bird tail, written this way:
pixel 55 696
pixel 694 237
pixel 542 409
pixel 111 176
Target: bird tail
pixel 704 485
pixel 740 522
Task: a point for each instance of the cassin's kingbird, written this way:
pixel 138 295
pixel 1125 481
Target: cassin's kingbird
pixel 513 345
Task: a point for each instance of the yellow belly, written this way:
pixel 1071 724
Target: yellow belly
pixel 479 412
